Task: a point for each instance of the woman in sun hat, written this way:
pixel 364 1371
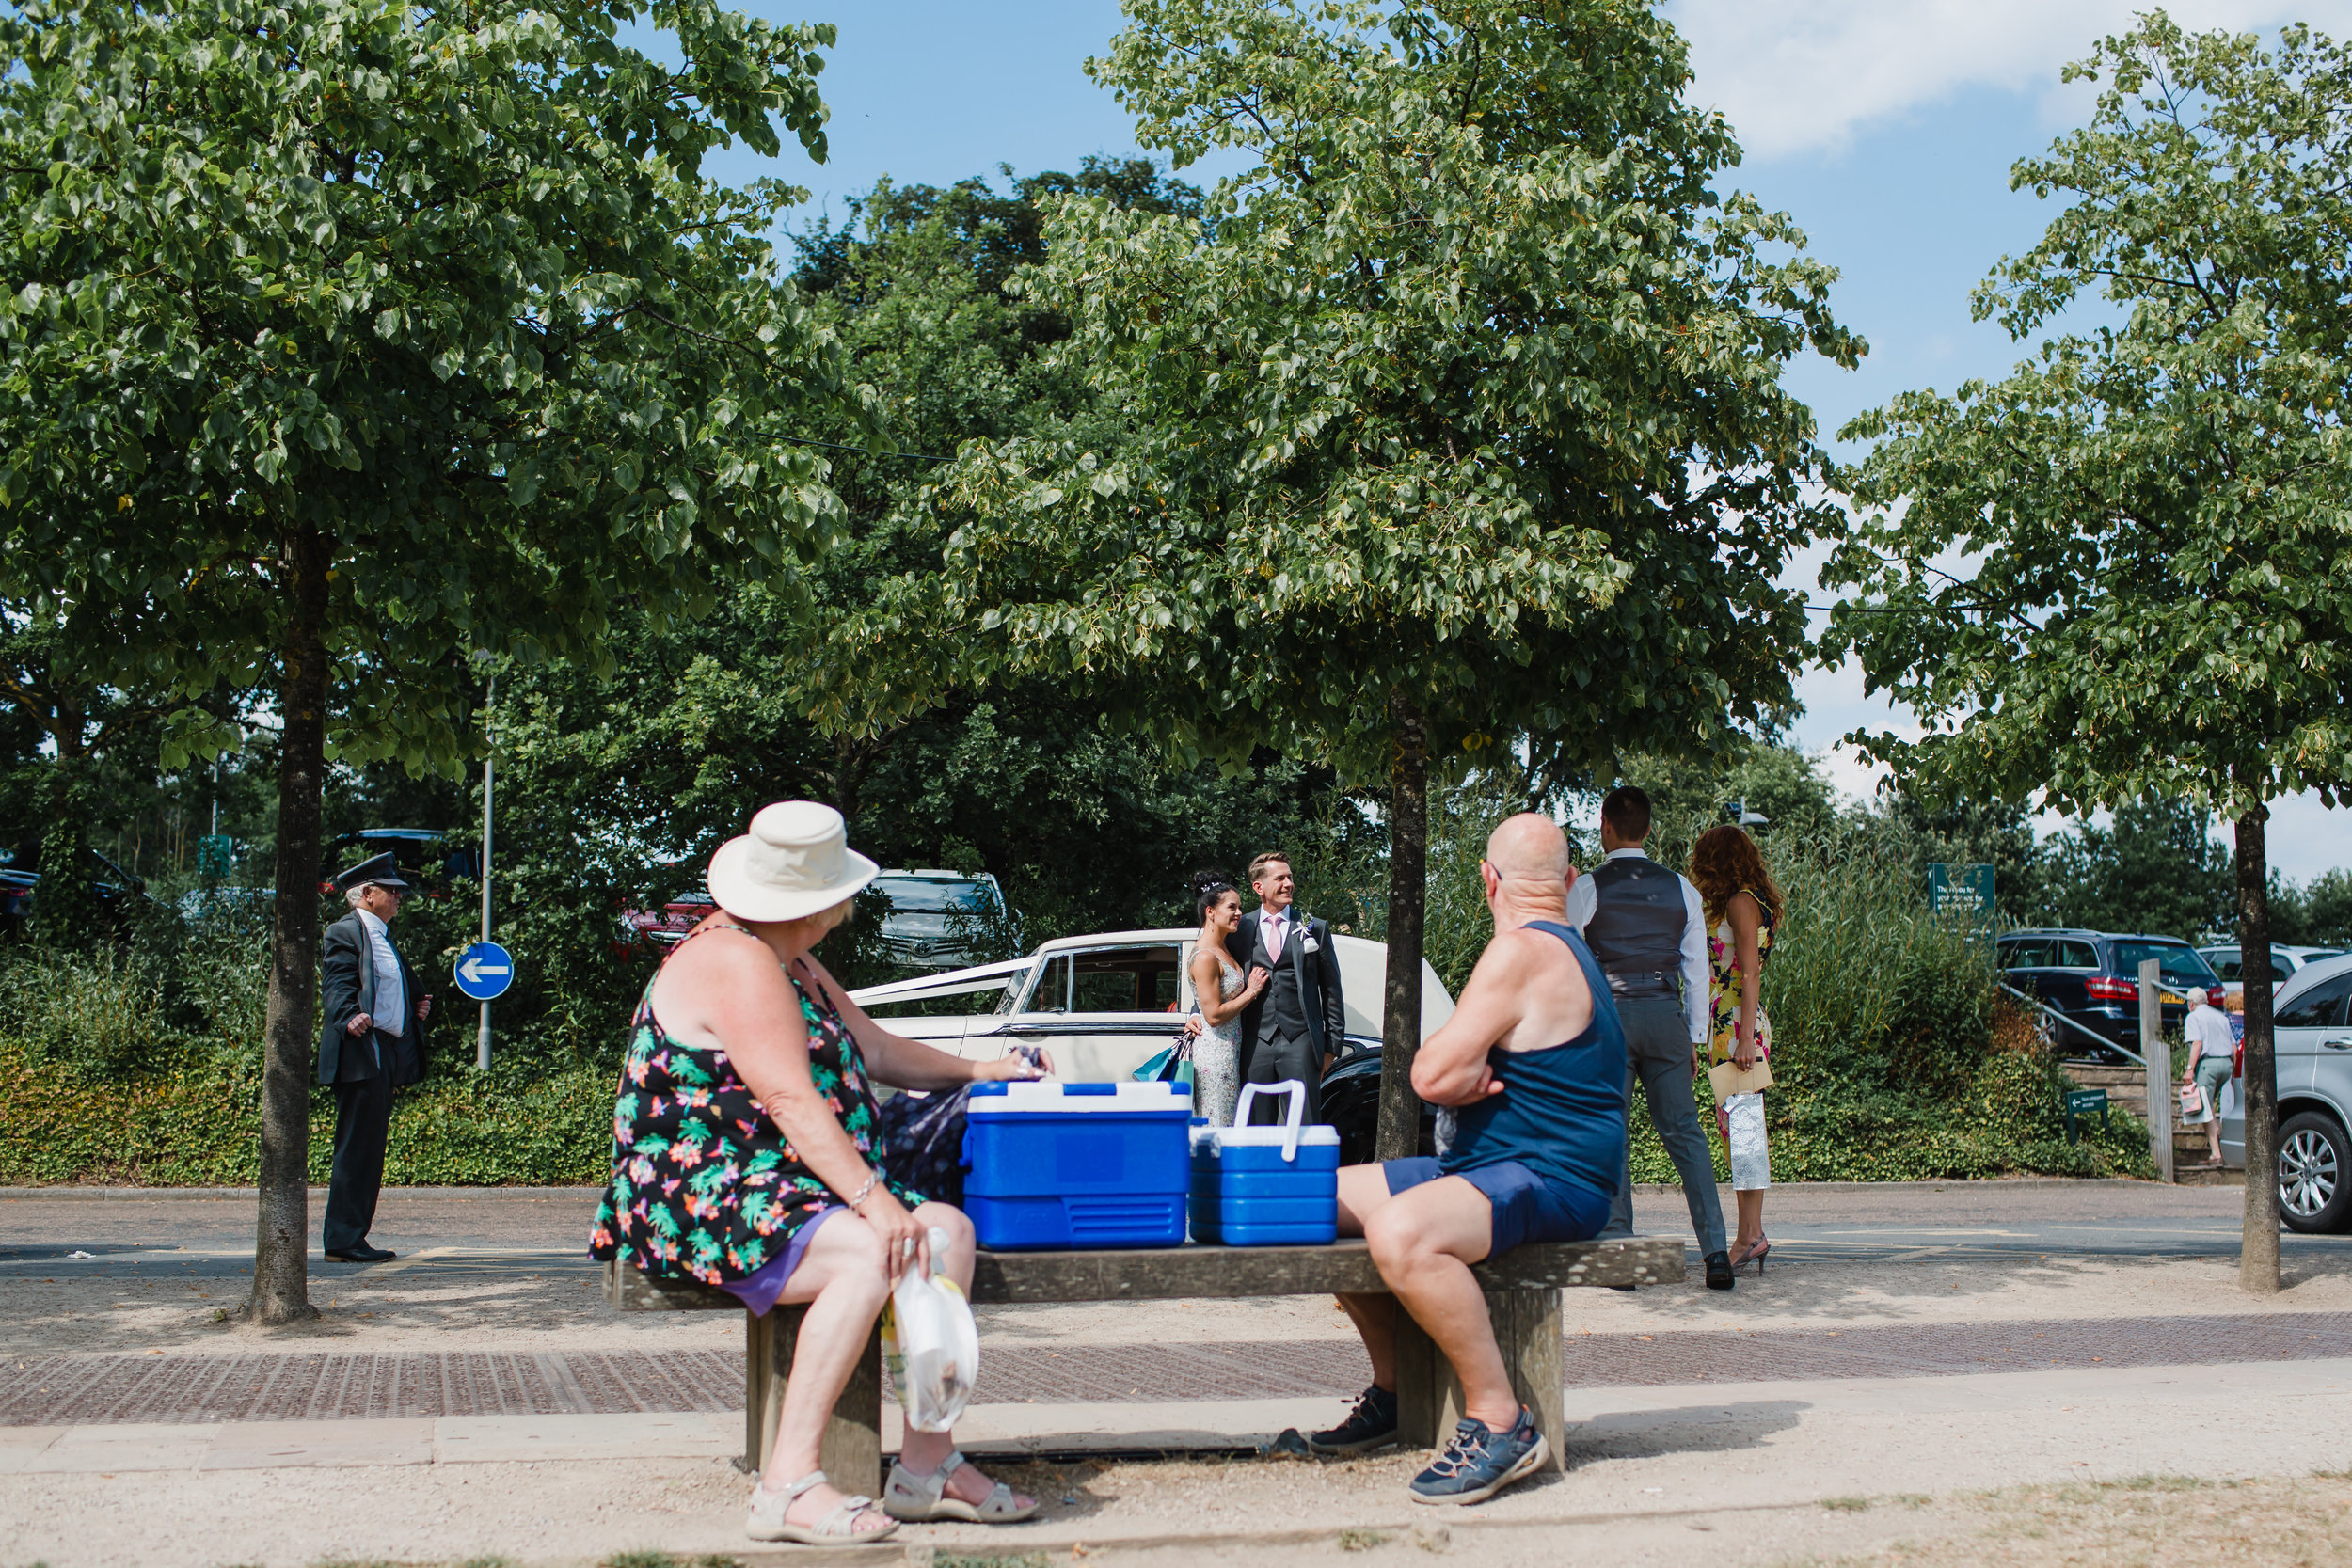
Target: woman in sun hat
pixel 746 1153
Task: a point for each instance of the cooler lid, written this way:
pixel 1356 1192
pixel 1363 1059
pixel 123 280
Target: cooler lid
pixel 1045 1096
pixel 1260 1137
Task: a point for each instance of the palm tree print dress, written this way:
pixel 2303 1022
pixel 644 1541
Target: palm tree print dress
pixel 704 1185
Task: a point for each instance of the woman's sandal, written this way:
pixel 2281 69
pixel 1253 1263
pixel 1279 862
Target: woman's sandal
pixel 917 1499
pixel 838 1524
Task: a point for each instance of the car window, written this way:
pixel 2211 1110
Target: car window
pixel 930 896
pixel 2074 954
pixel 2224 961
pixel 1107 980
pixel 2313 957
pixel 2026 953
pixel 2320 1007
pixel 2178 964
pixel 2285 962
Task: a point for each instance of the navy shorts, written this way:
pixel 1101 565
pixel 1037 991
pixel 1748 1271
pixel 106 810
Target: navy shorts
pixel 1527 1207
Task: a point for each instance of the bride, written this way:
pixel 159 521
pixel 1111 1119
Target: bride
pixel 1221 993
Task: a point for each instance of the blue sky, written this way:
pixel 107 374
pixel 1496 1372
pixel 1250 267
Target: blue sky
pixel 1887 128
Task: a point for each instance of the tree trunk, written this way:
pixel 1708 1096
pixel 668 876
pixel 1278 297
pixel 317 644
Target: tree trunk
pixel 66 910
pixel 2258 1253
pixel 1399 1135
pixel 282 1286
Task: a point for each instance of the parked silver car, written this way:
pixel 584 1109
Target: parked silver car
pixel 2284 962
pixel 1103 1004
pixel 2313 1046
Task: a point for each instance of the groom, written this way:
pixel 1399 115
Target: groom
pixel 1297 1024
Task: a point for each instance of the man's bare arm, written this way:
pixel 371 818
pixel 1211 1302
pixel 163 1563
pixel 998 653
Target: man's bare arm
pixel 1452 1069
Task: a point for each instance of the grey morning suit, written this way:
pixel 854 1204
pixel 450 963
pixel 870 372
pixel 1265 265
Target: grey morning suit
pixel 1637 930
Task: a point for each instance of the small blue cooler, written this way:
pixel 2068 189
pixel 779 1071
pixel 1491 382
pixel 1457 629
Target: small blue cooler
pixel 1055 1165
pixel 1266 1186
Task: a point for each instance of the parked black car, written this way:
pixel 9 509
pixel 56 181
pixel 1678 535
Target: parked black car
pixel 2092 978
pixel 1351 1103
pixel 426 856
pixel 20 874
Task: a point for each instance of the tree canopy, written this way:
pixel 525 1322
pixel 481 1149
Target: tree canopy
pixel 349 339
pixel 1456 416
pixel 2152 517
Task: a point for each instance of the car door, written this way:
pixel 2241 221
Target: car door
pixel 2321 1041
pixel 1103 1011
pixel 2313 1050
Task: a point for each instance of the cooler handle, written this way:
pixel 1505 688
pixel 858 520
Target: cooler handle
pixel 1296 1092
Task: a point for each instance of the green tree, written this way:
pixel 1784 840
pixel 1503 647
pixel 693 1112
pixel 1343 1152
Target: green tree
pixel 2157 870
pixel 1457 415
pixel 2153 513
pixel 347 339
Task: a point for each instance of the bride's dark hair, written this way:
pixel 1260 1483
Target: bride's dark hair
pixel 1207 888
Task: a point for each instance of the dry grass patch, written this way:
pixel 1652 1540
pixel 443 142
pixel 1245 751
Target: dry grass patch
pixel 2157 1521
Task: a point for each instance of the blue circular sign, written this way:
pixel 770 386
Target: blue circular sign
pixel 485 971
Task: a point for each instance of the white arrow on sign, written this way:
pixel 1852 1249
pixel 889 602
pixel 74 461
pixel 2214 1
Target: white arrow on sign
pixel 473 970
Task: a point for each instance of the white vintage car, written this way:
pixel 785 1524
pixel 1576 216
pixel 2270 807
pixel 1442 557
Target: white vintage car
pixel 1104 1005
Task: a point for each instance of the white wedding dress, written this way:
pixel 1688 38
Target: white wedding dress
pixel 1216 1054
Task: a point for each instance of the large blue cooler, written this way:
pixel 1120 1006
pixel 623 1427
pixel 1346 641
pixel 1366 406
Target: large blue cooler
pixel 1052 1166
pixel 1266 1186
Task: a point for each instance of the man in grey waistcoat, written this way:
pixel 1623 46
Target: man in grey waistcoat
pixel 370 1042
pixel 1646 928
pixel 1297 1024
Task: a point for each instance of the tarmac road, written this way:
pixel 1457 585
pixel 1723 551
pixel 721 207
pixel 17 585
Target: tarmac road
pixel 448 1232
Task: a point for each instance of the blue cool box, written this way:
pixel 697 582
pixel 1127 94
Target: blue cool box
pixel 1054 1166
pixel 1265 1186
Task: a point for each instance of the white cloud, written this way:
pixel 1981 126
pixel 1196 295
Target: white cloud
pixel 1805 75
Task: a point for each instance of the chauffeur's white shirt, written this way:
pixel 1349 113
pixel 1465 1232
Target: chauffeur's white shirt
pixel 391 997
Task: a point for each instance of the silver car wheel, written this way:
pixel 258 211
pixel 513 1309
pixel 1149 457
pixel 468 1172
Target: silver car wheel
pixel 2306 1174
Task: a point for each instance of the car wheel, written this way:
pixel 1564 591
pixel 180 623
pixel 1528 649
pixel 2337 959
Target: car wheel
pixel 2315 1174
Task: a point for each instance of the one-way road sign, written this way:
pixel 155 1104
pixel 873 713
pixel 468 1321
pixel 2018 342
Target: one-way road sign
pixel 485 971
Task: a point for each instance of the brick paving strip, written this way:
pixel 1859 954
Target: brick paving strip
pixel 95 1390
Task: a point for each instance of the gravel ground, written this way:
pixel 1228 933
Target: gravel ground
pixel 2158 1520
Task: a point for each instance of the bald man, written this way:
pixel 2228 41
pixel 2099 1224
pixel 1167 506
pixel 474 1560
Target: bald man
pixel 1531 1070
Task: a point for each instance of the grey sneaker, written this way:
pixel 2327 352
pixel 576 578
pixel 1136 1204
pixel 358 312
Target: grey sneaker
pixel 1371 1425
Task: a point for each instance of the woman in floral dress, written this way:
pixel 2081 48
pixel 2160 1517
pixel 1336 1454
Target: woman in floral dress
pixel 1744 906
pixel 747 1154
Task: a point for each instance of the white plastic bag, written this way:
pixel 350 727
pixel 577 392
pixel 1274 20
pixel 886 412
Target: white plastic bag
pixel 931 1345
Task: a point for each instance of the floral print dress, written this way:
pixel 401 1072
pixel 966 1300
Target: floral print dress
pixel 1730 988
pixel 705 1184
pixel 1742 1115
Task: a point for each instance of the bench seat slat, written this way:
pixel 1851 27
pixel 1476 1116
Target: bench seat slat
pixel 1169 1274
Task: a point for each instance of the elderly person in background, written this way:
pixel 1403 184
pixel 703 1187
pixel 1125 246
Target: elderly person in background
pixel 2212 1048
pixel 370 1042
pixel 747 1154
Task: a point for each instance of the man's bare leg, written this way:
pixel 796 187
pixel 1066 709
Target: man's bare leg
pixel 1364 1191
pixel 1424 1240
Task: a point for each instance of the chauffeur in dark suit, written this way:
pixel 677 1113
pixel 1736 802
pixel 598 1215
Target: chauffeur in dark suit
pixel 1297 1024
pixel 370 1042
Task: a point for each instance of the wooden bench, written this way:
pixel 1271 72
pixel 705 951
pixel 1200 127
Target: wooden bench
pixel 1522 1288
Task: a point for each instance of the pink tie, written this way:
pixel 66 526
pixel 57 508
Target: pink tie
pixel 1273 931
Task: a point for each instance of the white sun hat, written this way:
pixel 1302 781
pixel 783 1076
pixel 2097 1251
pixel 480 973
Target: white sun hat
pixel 796 861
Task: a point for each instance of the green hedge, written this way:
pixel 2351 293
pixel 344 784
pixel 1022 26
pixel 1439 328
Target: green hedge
pixel 2009 1121
pixel 196 1123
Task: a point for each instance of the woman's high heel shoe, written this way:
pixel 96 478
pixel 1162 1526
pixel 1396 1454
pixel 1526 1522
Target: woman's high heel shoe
pixel 1755 1255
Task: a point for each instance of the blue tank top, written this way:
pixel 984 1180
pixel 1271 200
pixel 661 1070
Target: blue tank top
pixel 1562 1110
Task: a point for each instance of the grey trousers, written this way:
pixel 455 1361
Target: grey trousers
pixel 1658 1056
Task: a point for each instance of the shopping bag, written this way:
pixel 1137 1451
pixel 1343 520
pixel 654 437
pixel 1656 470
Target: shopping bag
pixel 1172 1066
pixel 2194 1111
pixel 931 1345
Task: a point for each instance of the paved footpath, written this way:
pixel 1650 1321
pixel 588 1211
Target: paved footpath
pixel 1919 1341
